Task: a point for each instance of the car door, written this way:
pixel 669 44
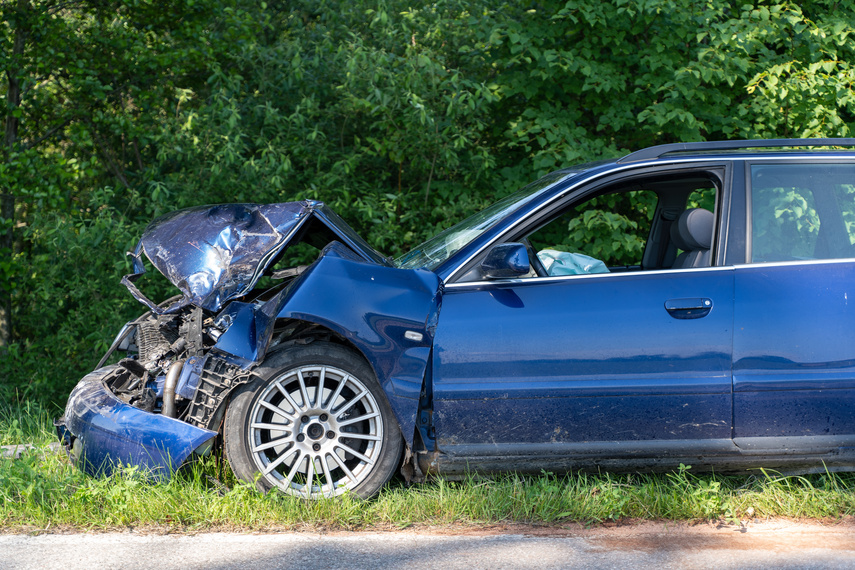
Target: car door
pixel 635 362
pixel 794 338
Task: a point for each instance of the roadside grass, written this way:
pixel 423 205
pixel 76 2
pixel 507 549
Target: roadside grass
pixel 41 491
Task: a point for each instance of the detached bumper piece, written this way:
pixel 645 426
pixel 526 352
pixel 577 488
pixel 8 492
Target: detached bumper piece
pixel 102 433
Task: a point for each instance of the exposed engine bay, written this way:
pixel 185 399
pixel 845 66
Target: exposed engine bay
pixel 164 346
pixel 212 254
pixel 168 369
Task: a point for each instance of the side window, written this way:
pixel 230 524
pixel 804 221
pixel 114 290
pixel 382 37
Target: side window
pixel 635 226
pixel 802 211
pixel 612 228
pixel 644 223
pixel 702 198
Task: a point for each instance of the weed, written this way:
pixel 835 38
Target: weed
pixel 42 489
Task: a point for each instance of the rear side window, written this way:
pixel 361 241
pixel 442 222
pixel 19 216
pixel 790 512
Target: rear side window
pixel 802 212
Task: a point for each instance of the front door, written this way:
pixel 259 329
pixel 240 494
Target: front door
pixel 543 365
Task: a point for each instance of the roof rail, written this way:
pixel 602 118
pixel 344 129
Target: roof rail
pixel 663 149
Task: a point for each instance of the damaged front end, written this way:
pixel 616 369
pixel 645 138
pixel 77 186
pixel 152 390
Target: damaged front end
pixel 166 400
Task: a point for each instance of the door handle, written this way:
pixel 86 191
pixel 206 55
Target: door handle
pixel 694 308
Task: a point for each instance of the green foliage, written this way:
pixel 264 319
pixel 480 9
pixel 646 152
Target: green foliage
pixel 404 117
pixel 615 229
pixel 90 84
pixel 785 224
pixel 612 228
pixel 358 108
pixel 790 63
pixel 73 307
pixel 704 198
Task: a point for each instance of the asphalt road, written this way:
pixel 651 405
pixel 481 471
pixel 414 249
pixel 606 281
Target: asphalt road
pixel 778 544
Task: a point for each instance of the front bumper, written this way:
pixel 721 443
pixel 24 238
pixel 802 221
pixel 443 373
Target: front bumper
pixel 102 433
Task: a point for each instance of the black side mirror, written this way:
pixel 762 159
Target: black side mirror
pixel 506 260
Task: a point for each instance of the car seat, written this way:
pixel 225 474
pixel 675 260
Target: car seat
pixel 692 233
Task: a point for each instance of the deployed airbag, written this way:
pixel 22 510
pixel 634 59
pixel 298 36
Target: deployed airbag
pixel 566 263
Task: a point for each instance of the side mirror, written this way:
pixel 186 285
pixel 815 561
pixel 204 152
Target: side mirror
pixel 506 260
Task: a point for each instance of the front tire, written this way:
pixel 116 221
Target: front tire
pixel 314 423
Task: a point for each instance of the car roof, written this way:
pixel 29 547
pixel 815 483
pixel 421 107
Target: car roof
pixel 674 152
pixel 707 148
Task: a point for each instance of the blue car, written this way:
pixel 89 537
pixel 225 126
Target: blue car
pixel 712 328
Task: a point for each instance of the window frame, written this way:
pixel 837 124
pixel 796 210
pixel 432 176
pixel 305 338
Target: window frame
pixel 719 171
pixel 748 197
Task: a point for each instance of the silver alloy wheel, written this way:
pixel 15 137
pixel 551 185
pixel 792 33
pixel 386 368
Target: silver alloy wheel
pixel 315 431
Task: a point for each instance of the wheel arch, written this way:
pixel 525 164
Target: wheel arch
pixel 281 437
pixel 291 332
pixel 396 377
pixel 387 315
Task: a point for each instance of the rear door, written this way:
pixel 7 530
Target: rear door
pixel 794 335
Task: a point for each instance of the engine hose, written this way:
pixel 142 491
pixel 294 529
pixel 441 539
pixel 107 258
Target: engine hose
pixel 169 388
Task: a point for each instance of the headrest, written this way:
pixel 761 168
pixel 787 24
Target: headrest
pixel 693 230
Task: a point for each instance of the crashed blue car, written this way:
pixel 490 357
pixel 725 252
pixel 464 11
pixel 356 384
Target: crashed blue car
pixel 723 337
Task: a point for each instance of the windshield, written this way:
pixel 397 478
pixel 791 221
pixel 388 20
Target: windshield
pixel 443 245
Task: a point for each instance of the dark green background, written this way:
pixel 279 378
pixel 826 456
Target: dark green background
pixel 403 118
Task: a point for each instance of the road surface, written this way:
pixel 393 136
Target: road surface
pixel 777 544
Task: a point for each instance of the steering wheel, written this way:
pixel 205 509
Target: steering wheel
pixel 533 260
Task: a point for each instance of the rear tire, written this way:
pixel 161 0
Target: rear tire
pixel 315 423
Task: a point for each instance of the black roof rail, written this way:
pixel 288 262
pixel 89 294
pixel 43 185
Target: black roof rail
pixel 663 149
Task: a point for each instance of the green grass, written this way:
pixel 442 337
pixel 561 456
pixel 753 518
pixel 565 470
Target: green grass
pixel 41 490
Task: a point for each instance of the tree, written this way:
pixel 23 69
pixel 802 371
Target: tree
pixel 404 117
pixel 88 84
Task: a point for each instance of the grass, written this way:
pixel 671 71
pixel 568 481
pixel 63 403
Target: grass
pixel 41 490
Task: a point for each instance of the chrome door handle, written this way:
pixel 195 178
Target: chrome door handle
pixel 694 308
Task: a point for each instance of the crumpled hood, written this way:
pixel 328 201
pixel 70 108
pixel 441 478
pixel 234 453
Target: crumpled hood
pixel 216 253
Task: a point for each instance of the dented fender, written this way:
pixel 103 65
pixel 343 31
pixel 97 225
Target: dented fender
pixel 388 314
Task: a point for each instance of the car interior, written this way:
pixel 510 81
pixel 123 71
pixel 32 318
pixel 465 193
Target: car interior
pixel 640 225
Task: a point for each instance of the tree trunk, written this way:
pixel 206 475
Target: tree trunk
pixel 10 142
